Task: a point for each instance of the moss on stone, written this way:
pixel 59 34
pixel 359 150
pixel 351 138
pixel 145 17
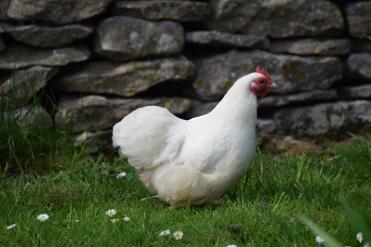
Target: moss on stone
pixel 168 104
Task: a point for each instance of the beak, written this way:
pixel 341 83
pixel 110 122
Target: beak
pixel 274 85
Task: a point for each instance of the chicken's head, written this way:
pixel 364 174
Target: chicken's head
pixel 260 85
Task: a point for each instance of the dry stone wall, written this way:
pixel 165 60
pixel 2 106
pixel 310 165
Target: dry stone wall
pixel 105 58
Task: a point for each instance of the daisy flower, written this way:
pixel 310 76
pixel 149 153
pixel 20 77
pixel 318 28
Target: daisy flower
pixel 126 219
pixel 121 175
pixel 111 212
pixel 360 237
pixel 366 245
pixel 165 233
pixel 12 226
pixel 114 220
pixel 42 217
pixel 231 245
pixel 319 240
pixel 178 235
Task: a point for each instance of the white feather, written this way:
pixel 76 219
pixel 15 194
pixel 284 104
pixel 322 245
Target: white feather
pixel 194 161
pixel 144 136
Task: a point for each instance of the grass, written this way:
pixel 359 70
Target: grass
pixel 28 139
pixel 264 209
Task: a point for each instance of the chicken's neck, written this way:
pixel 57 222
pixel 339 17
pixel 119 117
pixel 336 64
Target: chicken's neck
pixel 239 106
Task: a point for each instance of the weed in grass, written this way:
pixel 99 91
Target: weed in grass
pixel 29 141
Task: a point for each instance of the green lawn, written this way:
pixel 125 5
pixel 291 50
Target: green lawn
pixel 264 209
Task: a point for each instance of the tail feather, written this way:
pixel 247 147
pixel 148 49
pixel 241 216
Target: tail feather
pixel 143 136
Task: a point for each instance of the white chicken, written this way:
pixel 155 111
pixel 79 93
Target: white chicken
pixel 195 161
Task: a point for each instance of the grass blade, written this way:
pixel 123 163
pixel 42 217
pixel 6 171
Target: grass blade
pixel 329 241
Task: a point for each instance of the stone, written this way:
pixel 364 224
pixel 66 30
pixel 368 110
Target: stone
pixel 2 45
pixel 265 126
pixel 30 116
pixel 326 118
pixel 182 11
pixel 125 79
pixel 359 19
pixel 56 11
pixel 357 92
pixel 94 142
pixel 361 45
pixel 281 100
pixel 332 47
pixel 4 5
pixel 228 40
pixel 15 57
pixel 290 145
pixel 125 38
pixel 359 65
pixel 292 73
pixel 43 36
pixel 200 108
pixel 24 84
pixel 277 19
pixel 90 113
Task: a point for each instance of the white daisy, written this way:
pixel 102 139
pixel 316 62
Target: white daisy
pixel 366 245
pixel 319 240
pixel 126 219
pixel 42 217
pixel 360 237
pixel 121 175
pixel 12 226
pixel 111 212
pixel 114 220
pixel 231 245
pixel 165 233
pixel 178 235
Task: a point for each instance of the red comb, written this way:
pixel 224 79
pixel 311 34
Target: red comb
pixel 263 72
